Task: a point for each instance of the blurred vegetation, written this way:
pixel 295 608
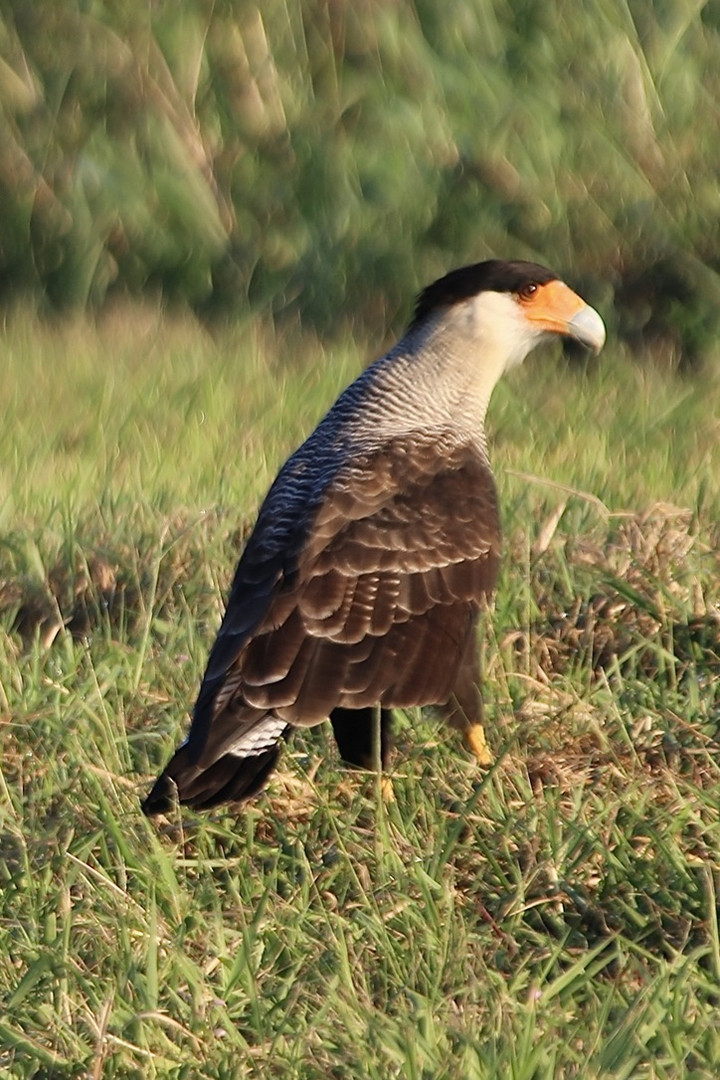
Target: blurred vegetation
pixel 320 159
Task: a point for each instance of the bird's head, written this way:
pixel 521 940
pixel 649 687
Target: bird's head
pixel 508 308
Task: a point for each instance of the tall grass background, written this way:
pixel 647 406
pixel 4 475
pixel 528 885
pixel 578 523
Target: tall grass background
pixel 212 216
pixel 325 160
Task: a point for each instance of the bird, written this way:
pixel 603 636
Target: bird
pixel 376 548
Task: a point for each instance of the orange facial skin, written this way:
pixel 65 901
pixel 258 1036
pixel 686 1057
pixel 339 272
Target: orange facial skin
pixel 555 308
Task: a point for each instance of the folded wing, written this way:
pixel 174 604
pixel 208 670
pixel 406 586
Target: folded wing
pixel 367 594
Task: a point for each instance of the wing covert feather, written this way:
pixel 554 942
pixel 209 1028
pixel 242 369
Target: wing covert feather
pixel 374 597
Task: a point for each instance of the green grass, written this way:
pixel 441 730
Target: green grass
pixel 555 917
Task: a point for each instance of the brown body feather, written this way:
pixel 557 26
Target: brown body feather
pixel 385 589
pixel 378 606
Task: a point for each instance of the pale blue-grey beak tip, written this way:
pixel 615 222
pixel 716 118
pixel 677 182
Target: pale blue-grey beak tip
pixel 588 328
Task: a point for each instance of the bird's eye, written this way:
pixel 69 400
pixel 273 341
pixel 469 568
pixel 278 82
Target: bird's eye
pixel 527 291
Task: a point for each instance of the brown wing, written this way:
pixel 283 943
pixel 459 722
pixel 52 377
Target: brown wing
pixel 383 595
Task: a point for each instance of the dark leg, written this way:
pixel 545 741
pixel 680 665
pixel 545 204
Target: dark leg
pixel 354 731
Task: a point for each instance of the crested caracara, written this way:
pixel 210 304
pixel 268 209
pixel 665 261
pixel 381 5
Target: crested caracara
pixel 376 547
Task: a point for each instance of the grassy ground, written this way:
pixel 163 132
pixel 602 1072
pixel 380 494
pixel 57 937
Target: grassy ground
pixel 555 917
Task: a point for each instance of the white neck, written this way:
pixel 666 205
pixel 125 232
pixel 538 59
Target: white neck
pixel 448 366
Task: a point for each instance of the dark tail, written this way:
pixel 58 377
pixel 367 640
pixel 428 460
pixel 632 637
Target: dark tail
pixel 229 779
pixel 354 731
pixel 235 779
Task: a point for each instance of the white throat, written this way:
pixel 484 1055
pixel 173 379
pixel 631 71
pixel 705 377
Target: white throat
pixel 442 373
pixel 473 343
pixel 497 325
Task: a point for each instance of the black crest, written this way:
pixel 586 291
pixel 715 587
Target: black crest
pixel 493 275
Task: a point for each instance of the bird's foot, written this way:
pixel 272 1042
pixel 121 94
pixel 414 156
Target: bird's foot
pixel 476 743
pixel 386 787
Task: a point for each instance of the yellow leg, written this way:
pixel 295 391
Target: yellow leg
pixel 386 787
pixel 476 743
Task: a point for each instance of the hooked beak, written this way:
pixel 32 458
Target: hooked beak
pixel 588 328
